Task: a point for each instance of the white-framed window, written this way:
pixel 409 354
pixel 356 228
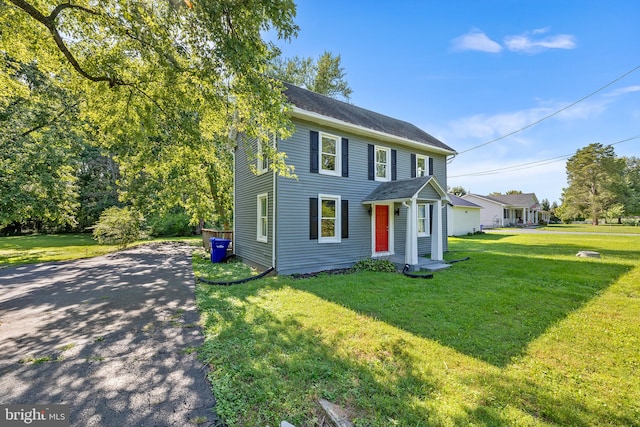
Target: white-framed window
pixel 383 163
pixel 329 152
pixel 329 214
pixel 262 157
pixel 422 165
pixel 263 218
pixel 423 219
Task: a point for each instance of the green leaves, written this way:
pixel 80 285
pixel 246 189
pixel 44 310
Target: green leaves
pixel 324 76
pixel 157 85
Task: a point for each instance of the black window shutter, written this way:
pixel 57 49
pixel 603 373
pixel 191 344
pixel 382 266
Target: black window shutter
pixel 430 166
pixel 345 219
pixel 430 219
pixel 313 218
pixel 394 172
pixel 413 166
pixel 345 157
pixel 314 137
pixel 372 164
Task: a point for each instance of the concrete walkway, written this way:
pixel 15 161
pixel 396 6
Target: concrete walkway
pixel 115 336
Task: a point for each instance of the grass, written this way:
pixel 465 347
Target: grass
pixel 523 333
pixel 16 250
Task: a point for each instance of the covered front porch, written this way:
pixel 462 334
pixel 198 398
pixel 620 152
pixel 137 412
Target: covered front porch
pixel 421 201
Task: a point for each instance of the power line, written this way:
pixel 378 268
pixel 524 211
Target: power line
pixel 534 164
pixel 552 114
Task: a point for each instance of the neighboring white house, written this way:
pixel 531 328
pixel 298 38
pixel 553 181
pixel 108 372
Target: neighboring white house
pixel 507 210
pixel 463 216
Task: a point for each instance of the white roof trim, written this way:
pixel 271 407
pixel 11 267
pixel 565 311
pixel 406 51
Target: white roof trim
pixel 346 126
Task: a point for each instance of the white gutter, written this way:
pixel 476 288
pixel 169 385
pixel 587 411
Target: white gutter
pixel 349 127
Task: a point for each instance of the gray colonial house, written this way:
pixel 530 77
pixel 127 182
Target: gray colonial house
pixel 367 185
pixel 508 210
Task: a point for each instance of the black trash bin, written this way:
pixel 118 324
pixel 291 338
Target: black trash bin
pixel 218 249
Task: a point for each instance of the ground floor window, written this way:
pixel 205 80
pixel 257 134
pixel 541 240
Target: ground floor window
pixel 263 217
pixel 329 215
pixel 423 219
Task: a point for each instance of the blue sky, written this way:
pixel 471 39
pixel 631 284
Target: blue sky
pixel 469 72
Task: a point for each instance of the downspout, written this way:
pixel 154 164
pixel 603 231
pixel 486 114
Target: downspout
pixel 233 210
pixel 273 222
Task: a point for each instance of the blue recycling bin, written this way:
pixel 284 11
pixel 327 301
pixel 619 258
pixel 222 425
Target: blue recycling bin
pixel 218 248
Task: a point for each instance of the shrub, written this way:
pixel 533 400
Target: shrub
pixel 171 224
pixel 119 226
pixel 379 265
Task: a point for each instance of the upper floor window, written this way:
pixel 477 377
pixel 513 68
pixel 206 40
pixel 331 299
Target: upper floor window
pixel 263 155
pixel 330 152
pixel 382 167
pixel 422 165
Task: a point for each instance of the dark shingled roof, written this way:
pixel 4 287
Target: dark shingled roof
pixel 459 201
pixel 320 104
pixel 397 190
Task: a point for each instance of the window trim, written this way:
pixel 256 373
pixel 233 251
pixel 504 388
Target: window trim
pixel 259 218
pixel 425 220
pixel 337 238
pixel 387 176
pixel 338 155
pixel 426 165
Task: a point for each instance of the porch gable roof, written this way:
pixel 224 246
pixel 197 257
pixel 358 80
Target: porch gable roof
pixel 404 189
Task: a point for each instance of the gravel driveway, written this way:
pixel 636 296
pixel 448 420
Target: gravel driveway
pixel 112 336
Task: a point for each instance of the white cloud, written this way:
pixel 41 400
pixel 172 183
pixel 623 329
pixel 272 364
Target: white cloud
pixel 476 40
pixel 487 127
pixel 623 90
pixel 490 126
pixel 527 43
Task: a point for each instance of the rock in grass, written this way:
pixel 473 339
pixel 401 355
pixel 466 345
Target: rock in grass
pixel 588 254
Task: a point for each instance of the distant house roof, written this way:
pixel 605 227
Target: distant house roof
pixel 459 201
pixel 402 189
pixel 528 200
pixel 359 117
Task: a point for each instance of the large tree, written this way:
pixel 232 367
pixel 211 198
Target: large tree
pixel 325 75
pixel 41 138
pixel 594 175
pixel 158 83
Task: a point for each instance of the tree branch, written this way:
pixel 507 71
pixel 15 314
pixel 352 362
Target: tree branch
pixel 48 123
pixel 49 23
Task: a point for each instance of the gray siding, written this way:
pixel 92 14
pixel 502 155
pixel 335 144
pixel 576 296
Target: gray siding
pixel 247 188
pixel 295 252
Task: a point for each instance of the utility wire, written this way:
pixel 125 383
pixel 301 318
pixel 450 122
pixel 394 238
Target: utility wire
pixel 552 114
pixel 534 164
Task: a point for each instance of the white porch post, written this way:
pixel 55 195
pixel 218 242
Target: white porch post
pixel 411 239
pixel 436 233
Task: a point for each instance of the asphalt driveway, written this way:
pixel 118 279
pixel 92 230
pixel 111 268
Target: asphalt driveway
pixel 112 336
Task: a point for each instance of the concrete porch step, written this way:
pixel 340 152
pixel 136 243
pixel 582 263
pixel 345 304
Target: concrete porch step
pixel 424 264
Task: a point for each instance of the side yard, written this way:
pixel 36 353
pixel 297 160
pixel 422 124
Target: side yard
pixel 523 333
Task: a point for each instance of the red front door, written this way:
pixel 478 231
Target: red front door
pixel 382 228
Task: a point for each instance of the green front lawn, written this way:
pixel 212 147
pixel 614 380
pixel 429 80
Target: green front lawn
pixel 523 333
